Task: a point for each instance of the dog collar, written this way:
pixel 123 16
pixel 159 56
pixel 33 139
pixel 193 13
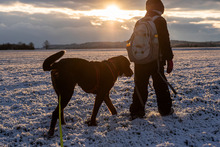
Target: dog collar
pixel 112 67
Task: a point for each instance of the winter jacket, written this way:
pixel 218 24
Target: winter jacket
pixel 163 37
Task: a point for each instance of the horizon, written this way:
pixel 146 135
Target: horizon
pixel 67 22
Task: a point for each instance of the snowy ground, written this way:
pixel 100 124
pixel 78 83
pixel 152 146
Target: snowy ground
pixel 27 100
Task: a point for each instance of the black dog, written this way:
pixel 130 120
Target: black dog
pixel 93 77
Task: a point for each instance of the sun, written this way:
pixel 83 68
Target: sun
pixel 112 8
pixel 112 12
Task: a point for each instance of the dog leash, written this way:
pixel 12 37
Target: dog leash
pixel 61 134
pixel 168 84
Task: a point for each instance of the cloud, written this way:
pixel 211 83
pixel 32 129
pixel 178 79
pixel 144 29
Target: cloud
pixel 58 28
pixel 198 32
pixel 193 4
pixel 62 25
pixel 83 4
pixel 193 29
pixel 124 4
pixel 78 21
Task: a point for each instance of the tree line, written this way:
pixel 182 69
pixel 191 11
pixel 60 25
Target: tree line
pixel 19 46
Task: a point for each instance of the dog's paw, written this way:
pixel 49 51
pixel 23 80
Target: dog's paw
pixel 91 123
pixel 114 113
pixel 63 123
pixel 50 133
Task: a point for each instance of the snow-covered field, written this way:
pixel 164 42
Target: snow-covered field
pixel 27 100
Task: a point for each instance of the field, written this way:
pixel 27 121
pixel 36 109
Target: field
pixel 27 100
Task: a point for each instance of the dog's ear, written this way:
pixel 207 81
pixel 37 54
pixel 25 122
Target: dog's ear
pixel 124 66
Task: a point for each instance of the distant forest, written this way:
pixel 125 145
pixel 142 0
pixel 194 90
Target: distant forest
pixel 19 46
pixel 177 43
pixel 100 45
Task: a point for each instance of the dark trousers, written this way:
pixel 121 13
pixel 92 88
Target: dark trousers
pixel 142 75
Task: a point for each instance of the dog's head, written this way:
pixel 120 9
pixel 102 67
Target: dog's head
pixel 123 65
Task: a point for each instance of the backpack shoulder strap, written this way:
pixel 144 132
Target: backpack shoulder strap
pixel 132 35
pixel 152 24
pixel 143 19
pixel 155 17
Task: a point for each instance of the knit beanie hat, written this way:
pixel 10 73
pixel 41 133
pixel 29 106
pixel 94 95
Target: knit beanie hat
pixel 155 5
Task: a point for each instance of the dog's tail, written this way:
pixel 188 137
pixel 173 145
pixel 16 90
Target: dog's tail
pixel 48 63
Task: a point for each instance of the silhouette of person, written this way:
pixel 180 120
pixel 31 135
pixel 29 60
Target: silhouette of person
pixel 144 71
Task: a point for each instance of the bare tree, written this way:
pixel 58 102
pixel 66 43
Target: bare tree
pixel 31 45
pixel 46 44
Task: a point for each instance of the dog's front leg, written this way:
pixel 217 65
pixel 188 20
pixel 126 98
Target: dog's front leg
pixel 98 102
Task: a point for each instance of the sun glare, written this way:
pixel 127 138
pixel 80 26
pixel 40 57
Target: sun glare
pixel 112 8
pixel 112 12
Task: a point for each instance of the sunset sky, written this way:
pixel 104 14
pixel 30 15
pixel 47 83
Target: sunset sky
pixel 79 21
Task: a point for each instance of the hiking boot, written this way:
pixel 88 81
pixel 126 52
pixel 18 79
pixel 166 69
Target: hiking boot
pixel 137 115
pixel 166 114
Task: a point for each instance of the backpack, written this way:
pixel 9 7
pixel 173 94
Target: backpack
pixel 143 46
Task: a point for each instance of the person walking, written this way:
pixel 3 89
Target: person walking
pixel 153 69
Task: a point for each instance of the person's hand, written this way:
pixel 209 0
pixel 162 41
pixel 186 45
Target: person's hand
pixel 169 66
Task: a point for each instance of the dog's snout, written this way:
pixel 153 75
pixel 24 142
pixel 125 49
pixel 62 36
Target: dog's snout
pixel 129 73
